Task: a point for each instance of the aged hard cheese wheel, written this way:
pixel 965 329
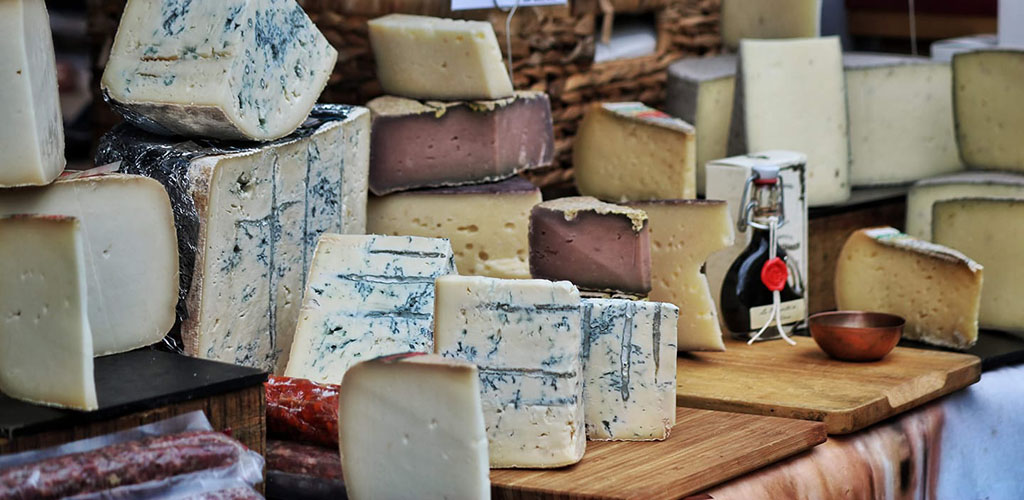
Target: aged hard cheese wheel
pixel 130 251
pixel 524 335
pixel 247 70
pixel 976 184
pixel 988 99
pixel 934 288
pixel 32 137
pixel 45 342
pixel 412 427
pixel 990 231
pixel 769 19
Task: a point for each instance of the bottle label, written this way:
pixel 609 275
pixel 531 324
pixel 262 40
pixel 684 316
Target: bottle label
pixel 792 312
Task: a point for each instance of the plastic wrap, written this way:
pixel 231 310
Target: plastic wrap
pixel 302 410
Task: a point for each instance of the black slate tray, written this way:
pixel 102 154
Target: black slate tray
pixel 131 382
pixel 995 348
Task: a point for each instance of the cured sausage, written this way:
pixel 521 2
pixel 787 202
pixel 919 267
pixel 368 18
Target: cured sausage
pixel 302 410
pixel 304 459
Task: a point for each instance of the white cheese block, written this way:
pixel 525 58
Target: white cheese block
pixel 131 255
pixel 901 118
pixel 248 219
pixel 432 58
pixel 700 91
pixel 32 136
pixel 988 100
pixel 1011 23
pixel 524 335
pixel 233 69
pixel 769 19
pixel 629 369
pixel 936 289
pixel 45 343
pixel 683 234
pixel 366 296
pixel 486 223
pixel 791 95
pixel 412 427
pixel 976 184
pixel 990 231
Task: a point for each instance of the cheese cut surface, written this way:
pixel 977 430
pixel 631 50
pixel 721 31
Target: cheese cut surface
pixel 988 101
pixel 991 232
pixel 487 224
pixel 248 219
pixel 130 251
pixel 934 288
pixel 45 343
pixel 32 137
pixel 769 19
pixel 432 58
pixel 700 91
pixel 597 246
pixel 366 296
pixel 683 234
pixel 791 95
pixel 231 69
pixel 629 369
pixel 412 427
pixel 432 144
pixel 524 336
pixel 976 184
pixel 901 119
pixel 628 151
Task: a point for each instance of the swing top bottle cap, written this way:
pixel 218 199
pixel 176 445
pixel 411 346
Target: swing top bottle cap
pixel 766 173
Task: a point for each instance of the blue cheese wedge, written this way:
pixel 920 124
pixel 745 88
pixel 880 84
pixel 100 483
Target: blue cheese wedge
pixel 226 69
pixel 367 296
pixel 629 369
pixel 248 219
pixel 525 338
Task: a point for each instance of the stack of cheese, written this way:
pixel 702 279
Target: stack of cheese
pixel 219 104
pixel 90 265
pixel 449 139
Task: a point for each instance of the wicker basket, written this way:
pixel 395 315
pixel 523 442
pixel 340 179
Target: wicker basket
pixel 552 51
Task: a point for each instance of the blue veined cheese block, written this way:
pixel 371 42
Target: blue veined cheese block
pixel 248 217
pixel 524 336
pixel 629 369
pixel 226 69
pixel 366 297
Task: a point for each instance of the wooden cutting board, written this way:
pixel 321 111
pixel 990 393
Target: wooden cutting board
pixel 704 449
pixel 774 378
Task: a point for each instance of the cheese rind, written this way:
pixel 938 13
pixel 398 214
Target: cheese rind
pixel 629 369
pixel 769 19
pixel 412 427
pixel 988 101
pixel 901 118
pixel 628 151
pixel 487 224
pixel 237 69
pixel 791 95
pixel 131 255
pixel 248 219
pixel 936 289
pixel 432 144
pixel 975 184
pixel 46 352
pixel 524 336
pixel 366 296
pixel 990 231
pixel 432 58
pixel 32 138
pixel 683 234
pixel 701 91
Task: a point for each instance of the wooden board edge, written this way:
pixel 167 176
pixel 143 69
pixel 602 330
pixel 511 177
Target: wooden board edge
pixel 790 412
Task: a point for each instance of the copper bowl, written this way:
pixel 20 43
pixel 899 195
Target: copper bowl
pixel 856 335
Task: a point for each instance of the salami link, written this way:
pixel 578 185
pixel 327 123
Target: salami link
pixel 133 462
pixel 229 494
pixel 304 459
pixel 302 410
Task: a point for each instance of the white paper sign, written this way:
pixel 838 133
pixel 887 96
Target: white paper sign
pixel 504 4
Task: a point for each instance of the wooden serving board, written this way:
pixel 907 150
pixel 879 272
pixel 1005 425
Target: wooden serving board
pixel 704 449
pixel 774 378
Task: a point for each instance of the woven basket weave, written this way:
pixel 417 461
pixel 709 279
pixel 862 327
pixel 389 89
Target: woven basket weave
pixel 552 51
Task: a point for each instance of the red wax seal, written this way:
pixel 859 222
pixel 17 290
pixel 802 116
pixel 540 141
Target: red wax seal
pixel 774 274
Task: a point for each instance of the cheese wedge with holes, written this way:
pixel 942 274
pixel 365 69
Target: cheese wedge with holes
pixel 974 184
pixel 988 101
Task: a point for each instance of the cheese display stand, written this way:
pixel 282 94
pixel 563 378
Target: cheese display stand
pixel 515 249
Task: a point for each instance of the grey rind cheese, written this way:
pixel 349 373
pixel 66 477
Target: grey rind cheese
pixel 988 102
pixel 976 184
